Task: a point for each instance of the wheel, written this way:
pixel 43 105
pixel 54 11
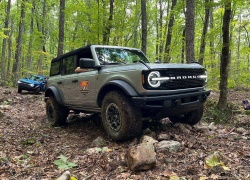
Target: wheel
pixel 192 117
pixel 120 118
pixel 56 114
pixel 19 90
pixel 37 90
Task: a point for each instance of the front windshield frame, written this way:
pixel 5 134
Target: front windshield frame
pixel 110 55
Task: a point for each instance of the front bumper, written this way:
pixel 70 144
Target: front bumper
pixel 27 87
pixel 175 103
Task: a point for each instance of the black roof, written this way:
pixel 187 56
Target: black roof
pixel 76 51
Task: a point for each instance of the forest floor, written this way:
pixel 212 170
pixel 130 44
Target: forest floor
pixel 29 146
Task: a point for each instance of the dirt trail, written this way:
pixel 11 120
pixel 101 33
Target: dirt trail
pixel 28 146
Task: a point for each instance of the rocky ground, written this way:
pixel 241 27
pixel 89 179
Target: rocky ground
pixel 29 148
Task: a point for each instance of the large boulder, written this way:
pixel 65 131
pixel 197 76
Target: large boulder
pixel 141 157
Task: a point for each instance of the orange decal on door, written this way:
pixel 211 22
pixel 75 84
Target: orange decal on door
pixel 84 86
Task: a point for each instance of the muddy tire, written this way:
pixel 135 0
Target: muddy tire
pixel 190 118
pixel 56 114
pixel 120 118
pixel 37 90
pixel 19 90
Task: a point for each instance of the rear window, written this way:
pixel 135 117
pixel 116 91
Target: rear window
pixel 55 68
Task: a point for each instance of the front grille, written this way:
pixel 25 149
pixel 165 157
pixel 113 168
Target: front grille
pixel 180 83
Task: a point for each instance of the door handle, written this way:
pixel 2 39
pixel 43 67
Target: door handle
pixel 75 80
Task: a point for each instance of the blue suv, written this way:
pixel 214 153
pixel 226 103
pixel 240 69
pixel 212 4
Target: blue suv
pixel 34 83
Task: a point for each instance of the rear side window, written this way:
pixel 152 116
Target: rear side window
pixel 68 66
pixel 55 68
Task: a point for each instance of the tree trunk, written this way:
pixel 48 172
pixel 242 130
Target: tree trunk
pixel 190 14
pixel 108 26
pixel 169 35
pixel 10 50
pixel 6 32
pixel 211 39
pixel 29 56
pixel 144 26
pixel 61 28
pixel 225 57
pixel 183 46
pixel 159 31
pixel 40 61
pixel 204 32
pixel 18 52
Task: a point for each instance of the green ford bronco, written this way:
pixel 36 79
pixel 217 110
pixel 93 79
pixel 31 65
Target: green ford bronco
pixel 125 88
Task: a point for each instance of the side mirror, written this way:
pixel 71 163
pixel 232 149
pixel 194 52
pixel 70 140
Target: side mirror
pixel 86 63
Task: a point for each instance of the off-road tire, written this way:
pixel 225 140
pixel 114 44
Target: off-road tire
pixel 56 114
pixel 19 90
pixel 37 90
pixel 120 117
pixel 191 118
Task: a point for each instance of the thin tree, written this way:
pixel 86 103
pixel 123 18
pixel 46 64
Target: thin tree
pixel 42 30
pixel 29 56
pixel 108 26
pixel 18 52
pixel 204 32
pixel 6 31
pixel 189 30
pixel 144 26
pixel 61 28
pixel 169 35
pixel 225 57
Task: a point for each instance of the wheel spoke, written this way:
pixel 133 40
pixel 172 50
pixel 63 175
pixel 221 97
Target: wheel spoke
pixel 113 117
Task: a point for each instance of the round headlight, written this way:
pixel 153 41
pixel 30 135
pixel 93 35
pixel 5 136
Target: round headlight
pixel 32 85
pixel 204 76
pixel 151 81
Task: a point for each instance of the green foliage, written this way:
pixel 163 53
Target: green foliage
pixel 213 114
pixel 213 161
pixel 85 23
pixel 63 163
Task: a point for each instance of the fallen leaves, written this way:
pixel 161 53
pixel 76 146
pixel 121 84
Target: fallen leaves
pixel 29 147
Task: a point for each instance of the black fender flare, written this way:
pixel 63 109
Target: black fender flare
pixel 53 90
pixel 126 87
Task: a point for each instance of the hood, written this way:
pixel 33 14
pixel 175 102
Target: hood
pixel 25 80
pixel 174 66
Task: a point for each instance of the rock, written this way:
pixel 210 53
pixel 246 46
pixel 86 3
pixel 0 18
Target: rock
pixel 99 142
pixel 95 150
pixel 64 176
pixel 240 130
pixel 163 136
pixel 5 107
pixel 148 139
pixel 141 157
pixel 150 133
pixel 168 146
pixel 185 128
pixel 211 126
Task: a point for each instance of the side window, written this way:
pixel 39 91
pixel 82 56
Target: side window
pixel 55 68
pixel 68 66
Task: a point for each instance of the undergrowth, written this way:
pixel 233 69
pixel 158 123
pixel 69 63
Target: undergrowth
pixel 213 114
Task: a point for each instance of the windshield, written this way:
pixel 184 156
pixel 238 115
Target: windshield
pixel 119 55
pixel 36 78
